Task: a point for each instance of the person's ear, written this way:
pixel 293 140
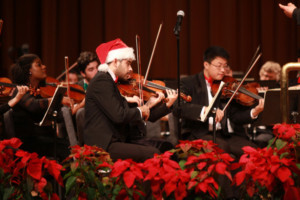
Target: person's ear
pixel 82 74
pixel 205 64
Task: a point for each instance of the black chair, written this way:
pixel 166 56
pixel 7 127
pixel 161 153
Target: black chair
pixel 9 124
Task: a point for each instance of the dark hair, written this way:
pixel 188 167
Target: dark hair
pixel 20 70
pixel 85 58
pixel 214 51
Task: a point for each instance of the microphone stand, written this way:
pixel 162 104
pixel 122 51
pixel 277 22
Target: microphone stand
pixel 213 112
pixel 176 32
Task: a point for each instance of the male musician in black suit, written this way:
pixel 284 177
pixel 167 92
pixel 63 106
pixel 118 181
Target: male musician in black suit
pixel 110 122
pixel 199 88
pixel 88 63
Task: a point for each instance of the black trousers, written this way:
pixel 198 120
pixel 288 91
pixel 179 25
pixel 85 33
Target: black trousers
pixel 137 152
pixel 232 144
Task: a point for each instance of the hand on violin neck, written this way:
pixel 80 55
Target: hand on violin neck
pixel 22 90
pixel 145 110
pixel 154 100
pixel 172 96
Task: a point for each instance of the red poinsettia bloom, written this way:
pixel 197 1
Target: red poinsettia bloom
pixel 128 170
pixel 265 167
pixel 286 131
pixel 166 176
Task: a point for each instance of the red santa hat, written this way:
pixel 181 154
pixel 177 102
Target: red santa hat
pixel 115 49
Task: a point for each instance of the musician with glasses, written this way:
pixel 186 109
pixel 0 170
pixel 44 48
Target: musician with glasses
pixel 198 86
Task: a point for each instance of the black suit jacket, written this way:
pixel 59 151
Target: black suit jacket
pixel 195 86
pixel 296 15
pixel 108 115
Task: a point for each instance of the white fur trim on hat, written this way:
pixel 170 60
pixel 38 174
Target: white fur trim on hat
pixel 103 67
pixel 122 53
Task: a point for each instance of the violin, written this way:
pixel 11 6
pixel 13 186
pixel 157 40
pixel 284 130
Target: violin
pixel 77 93
pixel 149 89
pixel 247 94
pixel 6 86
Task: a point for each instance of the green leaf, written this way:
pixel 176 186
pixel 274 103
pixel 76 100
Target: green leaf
pixel 298 165
pixel 284 154
pixel 280 144
pixel 182 163
pixel 91 193
pixel 8 192
pixel 271 142
pixel 90 176
pixel 67 175
pixel 194 174
pixel 116 191
pixel 70 183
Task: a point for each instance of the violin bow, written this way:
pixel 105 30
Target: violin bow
pixel 153 50
pixel 61 75
pixel 67 76
pixel 139 67
pixel 243 80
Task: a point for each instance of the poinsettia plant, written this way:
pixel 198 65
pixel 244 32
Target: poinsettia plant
pixel 205 162
pixel 127 177
pixel 88 170
pixel 272 171
pixel 22 174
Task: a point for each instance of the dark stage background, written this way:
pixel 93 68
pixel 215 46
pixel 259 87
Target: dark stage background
pixel 57 28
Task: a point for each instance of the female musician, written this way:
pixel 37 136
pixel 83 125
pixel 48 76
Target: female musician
pixel 29 71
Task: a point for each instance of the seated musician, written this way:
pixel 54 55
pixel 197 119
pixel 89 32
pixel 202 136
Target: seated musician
pixel 29 71
pixel 110 122
pixel 198 86
pixel 270 71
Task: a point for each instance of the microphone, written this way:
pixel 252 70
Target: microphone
pixel 180 15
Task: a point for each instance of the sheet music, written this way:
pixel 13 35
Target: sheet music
pixel 210 106
pixel 54 104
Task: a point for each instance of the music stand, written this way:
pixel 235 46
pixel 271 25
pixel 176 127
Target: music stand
pixel 54 106
pixel 211 109
pixel 50 117
pixel 272 114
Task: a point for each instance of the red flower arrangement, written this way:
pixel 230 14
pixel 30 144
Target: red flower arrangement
pixel 166 177
pixel 21 173
pixel 204 161
pixel 265 172
pixel 88 168
pixel 127 179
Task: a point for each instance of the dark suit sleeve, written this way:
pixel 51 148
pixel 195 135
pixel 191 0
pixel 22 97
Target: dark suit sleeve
pixel 158 112
pixel 239 114
pixel 4 108
pixel 110 102
pixel 191 110
pixel 296 15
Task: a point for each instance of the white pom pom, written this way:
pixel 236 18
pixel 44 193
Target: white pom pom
pixel 103 67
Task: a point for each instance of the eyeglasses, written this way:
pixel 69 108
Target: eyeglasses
pixel 225 66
